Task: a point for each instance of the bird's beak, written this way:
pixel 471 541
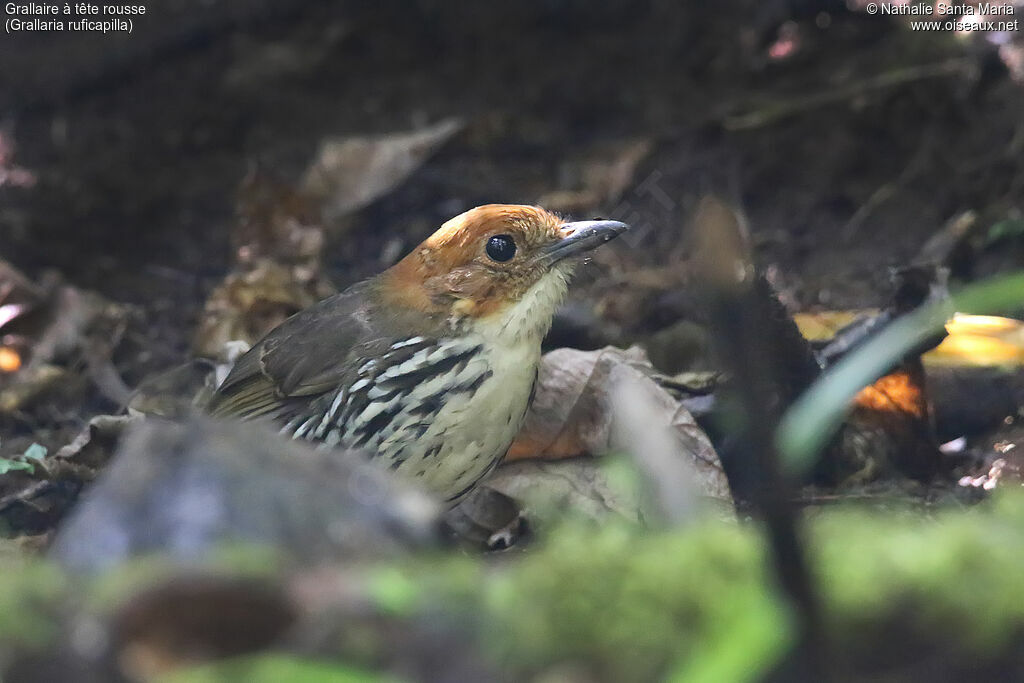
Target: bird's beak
pixel 582 236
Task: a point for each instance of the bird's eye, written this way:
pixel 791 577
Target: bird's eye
pixel 501 248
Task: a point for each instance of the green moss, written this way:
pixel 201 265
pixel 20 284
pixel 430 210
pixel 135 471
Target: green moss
pixel 957 575
pixel 630 605
pixel 692 604
pixel 699 604
pixel 29 590
pixel 394 591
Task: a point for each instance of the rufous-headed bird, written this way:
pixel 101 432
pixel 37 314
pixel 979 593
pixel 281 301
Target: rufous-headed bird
pixel 430 365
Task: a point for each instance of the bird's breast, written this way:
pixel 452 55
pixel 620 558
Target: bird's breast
pixel 473 430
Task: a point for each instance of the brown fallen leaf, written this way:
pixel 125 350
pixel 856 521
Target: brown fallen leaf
pixel 248 304
pixel 31 504
pixel 674 455
pixel 570 412
pixel 576 411
pixel 350 172
pixel 278 240
pixel 278 221
pixel 95 444
pixel 548 489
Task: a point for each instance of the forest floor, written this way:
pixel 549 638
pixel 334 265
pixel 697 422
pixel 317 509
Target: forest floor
pixel 847 141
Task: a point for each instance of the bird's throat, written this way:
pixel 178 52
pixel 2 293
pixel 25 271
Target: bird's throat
pixel 528 319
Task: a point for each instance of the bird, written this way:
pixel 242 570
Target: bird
pixel 430 365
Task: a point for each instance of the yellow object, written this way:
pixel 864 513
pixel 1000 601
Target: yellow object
pixel 823 325
pixel 10 360
pixel 975 340
pixel 980 340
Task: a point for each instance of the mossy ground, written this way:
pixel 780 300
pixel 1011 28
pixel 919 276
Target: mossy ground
pixel 691 604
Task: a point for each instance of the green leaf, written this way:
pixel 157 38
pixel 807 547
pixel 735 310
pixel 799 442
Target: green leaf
pixel 9 465
pixel 35 452
pixel 1011 228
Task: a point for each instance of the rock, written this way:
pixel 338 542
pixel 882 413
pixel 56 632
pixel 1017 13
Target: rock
pixel 183 489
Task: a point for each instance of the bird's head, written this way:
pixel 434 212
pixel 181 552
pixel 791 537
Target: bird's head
pixel 501 263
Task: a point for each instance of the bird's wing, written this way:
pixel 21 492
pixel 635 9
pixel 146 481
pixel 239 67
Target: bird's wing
pixel 310 353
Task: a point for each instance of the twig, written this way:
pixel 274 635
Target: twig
pixel 784 109
pixel 762 348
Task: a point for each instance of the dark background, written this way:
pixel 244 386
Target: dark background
pixel 137 143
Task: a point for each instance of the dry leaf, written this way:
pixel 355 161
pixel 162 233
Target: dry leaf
pixel 672 452
pixel 351 172
pixel 547 489
pixel 278 240
pixel 95 444
pixel 250 303
pixel 277 221
pixel 574 413
pixel 570 412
